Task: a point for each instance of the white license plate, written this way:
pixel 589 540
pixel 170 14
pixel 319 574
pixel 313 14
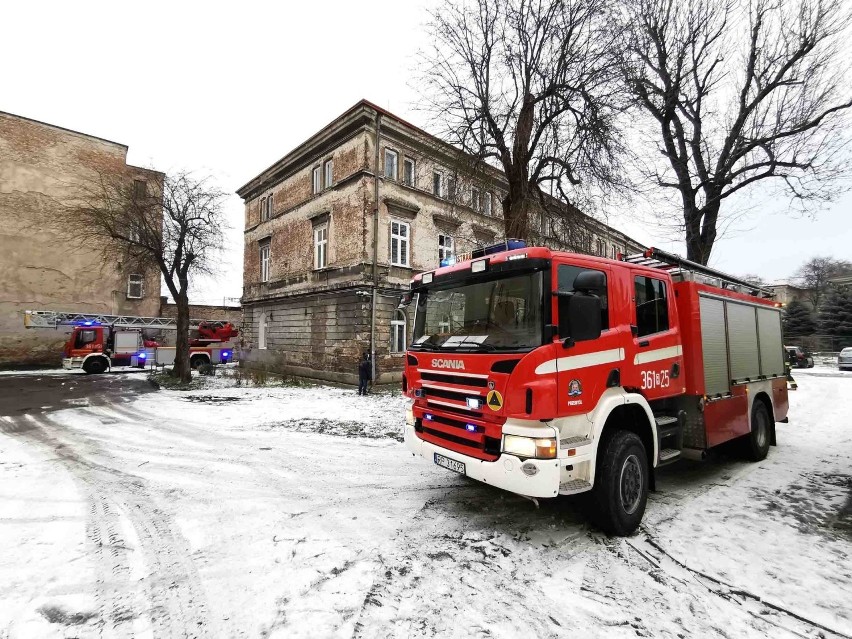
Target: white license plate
pixel 449 464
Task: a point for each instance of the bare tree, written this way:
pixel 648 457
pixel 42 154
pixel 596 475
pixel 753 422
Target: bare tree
pixel 814 275
pixel 529 86
pixel 175 226
pixel 739 93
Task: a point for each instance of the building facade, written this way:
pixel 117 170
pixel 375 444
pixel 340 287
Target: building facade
pixel 41 166
pixel 335 230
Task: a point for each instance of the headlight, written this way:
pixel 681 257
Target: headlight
pixel 409 415
pixel 538 448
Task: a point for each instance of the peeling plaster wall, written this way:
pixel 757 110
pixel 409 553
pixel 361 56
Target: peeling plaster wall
pixel 40 166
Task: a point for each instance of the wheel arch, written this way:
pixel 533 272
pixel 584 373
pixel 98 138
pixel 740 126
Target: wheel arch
pixel 632 413
pixel 93 356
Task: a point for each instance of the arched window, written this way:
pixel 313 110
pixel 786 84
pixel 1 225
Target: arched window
pixel 398 332
pixel 262 330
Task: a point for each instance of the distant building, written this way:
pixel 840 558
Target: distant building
pixel 347 218
pixel 40 166
pixel 786 293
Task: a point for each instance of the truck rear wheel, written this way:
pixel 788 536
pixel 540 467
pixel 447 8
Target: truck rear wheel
pixel 95 366
pixel 197 361
pixel 757 442
pixel 621 484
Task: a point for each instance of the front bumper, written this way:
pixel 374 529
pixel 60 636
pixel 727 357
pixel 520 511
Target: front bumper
pixel 505 473
pixel 72 362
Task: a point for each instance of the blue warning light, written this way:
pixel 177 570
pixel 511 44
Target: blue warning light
pixel 470 427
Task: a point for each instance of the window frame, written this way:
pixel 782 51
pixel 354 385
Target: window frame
pixel 316 179
pixel 440 190
pixel 321 246
pixel 399 329
pixel 265 254
pixel 443 246
pixel 476 199
pixel 488 204
pixel 451 188
pixel 140 282
pixel 407 161
pixel 664 306
pixel 395 154
pixel 400 239
pixel 262 331
pixel 328 173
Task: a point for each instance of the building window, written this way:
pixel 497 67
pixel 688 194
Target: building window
pixel 475 200
pixel 262 330
pixel 398 332
pixel 613 252
pixel 399 243
pixel 134 286
pixel 408 171
pixel 601 248
pixel 391 158
pixel 437 184
pixel 328 170
pixel 321 246
pixel 451 189
pixel 488 208
pixel 652 310
pixel 264 262
pixel 140 188
pixel 133 233
pixel 266 207
pixel 446 248
pixel 316 179
pixel 444 325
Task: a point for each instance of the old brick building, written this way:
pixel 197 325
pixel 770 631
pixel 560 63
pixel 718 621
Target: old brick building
pixel 41 166
pixel 335 230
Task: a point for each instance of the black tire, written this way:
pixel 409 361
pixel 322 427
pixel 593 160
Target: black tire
pixel 197 361
pixel 757 441
pixel 95 366
pixel 621 484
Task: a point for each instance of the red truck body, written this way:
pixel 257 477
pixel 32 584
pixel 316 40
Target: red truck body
pixel 667 362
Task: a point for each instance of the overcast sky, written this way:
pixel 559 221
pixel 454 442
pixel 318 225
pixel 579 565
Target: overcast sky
pixel 229 88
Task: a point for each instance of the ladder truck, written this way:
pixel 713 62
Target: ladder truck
pixel 98 341
pixel 550 373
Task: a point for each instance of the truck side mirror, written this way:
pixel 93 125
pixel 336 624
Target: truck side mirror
pixel 590 281
pixel 405 300
pixel 579 318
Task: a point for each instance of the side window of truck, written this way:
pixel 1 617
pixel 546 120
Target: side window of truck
pixel 85 337
pixel 652 308
pixel 565 282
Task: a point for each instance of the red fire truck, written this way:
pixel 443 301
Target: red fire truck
pixel 549 373
pixel 99 342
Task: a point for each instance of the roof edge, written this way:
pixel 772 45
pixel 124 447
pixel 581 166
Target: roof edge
pixel 62 128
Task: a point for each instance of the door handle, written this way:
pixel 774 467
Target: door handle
pixel 644 343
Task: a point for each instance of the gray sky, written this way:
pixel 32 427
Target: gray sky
pixel 229 88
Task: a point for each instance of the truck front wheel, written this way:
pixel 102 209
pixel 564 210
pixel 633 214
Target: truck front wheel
pixel 197 361
pixel 95 366
pixel 621 484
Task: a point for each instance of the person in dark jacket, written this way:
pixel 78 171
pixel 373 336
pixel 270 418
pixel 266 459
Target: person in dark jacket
pixel 364 372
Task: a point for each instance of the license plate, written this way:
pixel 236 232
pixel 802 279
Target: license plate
pixel 449 464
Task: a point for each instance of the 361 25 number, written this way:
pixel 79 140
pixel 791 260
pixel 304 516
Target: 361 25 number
pixel 655 379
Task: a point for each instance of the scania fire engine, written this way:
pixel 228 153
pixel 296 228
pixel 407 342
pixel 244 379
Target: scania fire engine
pixel 99 342
pixel 549 373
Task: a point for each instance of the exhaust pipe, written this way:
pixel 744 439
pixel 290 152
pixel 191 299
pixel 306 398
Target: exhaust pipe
pixel 694 454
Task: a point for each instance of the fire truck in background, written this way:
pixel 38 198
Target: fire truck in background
pixel 99 342
pixel 549 373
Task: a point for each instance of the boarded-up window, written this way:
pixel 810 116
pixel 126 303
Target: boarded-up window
pixel 135 286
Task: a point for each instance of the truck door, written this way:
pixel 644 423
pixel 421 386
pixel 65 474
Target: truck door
pixel 655 362
pixel 86 340
pixel 584 368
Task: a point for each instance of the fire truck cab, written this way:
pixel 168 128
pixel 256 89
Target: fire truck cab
pixel 548 373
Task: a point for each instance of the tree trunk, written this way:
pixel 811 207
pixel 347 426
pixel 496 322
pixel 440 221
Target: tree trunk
pixel 517 206
pixel 700 225
pixel 181 368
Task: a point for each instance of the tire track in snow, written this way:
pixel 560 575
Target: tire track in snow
pixel 173 596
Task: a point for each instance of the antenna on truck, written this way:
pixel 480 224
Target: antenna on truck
pixel 676 265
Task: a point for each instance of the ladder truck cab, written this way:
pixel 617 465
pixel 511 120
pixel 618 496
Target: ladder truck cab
pixel 550 373
pixel 99 342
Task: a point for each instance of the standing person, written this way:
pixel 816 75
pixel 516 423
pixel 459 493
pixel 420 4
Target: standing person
pixel 364 374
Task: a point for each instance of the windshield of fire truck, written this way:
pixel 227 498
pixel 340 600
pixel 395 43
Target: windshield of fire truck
pixel 499 314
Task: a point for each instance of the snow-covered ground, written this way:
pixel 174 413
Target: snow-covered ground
pixel 297 512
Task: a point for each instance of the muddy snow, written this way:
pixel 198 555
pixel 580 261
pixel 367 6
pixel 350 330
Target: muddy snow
pixel 297 512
